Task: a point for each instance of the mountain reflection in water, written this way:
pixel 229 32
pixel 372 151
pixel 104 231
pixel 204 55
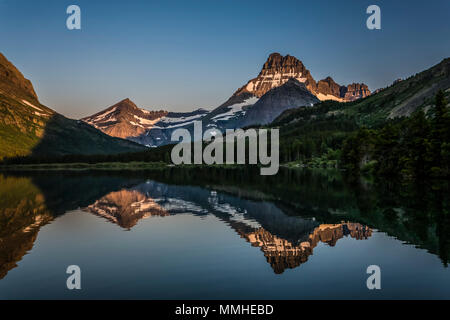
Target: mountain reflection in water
pixel 126 207
pixel 282 254
pixel 286 219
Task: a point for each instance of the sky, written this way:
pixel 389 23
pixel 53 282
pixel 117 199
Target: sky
pixel 182 55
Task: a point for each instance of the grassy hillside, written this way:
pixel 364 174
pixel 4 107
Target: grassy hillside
pixel 28 128
pixel 316 135
pixel 31 129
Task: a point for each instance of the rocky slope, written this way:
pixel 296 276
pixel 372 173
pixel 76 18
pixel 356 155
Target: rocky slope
pixel 276 71
pixel 13 83
pixel 400 99
pixel 161 132
pixel 290 95
pixel 124 119
pixel 29 128
pixel 150 128
pixel 257 102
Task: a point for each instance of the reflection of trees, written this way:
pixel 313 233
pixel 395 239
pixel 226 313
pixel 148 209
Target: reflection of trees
pixel 417 215
pixel 22 213
pixel 28 203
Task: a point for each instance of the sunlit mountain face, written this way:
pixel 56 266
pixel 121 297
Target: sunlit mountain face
pixel 283 254
pixel 126 207
pixel 240 228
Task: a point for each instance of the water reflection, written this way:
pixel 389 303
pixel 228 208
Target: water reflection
pixel 22 212
pixel 286 219
pixel 282 254
pixel 126 207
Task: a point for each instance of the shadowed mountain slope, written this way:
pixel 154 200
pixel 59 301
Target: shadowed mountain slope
pixel 28 128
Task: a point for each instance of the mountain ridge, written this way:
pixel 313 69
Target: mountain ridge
pixel 156 129
pixel 124 119
pixel 28 128
pixel 278 69
pixel 13 83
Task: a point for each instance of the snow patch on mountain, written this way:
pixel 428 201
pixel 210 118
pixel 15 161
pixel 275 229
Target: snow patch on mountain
pixel 31 105
pixel 104 115
pixel 235 109
pixel 145 121
pixel 170 120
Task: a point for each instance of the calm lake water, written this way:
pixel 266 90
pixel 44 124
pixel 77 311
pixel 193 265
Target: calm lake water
pixel 212 234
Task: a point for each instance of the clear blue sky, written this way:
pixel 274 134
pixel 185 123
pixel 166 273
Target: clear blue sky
pixel 180 55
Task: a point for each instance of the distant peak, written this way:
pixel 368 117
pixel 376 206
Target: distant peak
pixel 276 60
pixel 126 103
pixel 127 100
pixel 274 54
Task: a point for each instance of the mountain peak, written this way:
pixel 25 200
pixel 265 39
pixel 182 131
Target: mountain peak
pixel 276 71
pixel 277 61
pixel 292 94
pixel 124 104
pixel 124 119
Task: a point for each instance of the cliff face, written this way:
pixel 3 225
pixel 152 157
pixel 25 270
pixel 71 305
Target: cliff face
pixel 290 95
pixel 278 69
pixel 355 91
pixel 328 86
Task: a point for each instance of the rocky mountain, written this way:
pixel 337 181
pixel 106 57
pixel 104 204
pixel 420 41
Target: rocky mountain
pixel 161 132
pixel 400 99
pixel 289 95
pixel 277 71
pixel 125 120
pixel 29 128
pixel 257 102
pixel 354 91
pixel 150 128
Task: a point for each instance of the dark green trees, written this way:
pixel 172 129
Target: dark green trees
pixel 414 148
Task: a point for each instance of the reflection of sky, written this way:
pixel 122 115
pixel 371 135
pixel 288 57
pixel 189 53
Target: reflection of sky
pixel 185 54
pixel 185 256
pixel 208 253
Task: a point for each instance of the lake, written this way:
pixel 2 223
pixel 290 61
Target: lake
pixel 220 234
